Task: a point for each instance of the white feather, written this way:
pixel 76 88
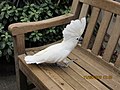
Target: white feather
pixel 59 52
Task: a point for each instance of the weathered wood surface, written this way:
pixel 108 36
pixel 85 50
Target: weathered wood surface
pixel 88 71
pixel 19 48
pixel 113 40
pixel 101 32
pixel 77 75
pixel 90 27
pixel 21 28
pixel 108 5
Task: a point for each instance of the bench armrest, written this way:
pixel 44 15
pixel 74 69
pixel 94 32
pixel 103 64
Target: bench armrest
pixel 21 28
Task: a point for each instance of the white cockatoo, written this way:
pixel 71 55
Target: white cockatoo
pixel 59 52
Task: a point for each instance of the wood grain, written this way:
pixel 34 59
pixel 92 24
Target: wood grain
pixel 117 63
pixel 88 63
pixel 101 32
pixel 21 28
pixel 106 5
pixel 112 41
pixel 90 27
pixel 84 11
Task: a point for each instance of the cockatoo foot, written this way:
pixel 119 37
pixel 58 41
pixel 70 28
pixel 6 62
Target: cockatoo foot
pixel 65 63
pixel 62 65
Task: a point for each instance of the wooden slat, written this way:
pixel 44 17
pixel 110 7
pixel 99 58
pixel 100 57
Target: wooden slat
pixel 101 32
pixel 112 41
pixel 90 27
pixel 117 63
pixel 56 78
pixel 76 8
pixel 91 68
pixel 80 79
pixel 98 59
pixel 83 73
pixel 68 78
pixel 37 76
pixel 84 11
pixel 95 62
pixel 105 5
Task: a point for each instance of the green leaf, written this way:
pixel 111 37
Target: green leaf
pixel 9 51
pixel 2 14
pixel 6 15
pixel 1 26
pixel 0 53
pixel 34 39
pixel 54 31
pixel 16 18
pixel 33 34
pixel 2 45
pixel 49 13
pixel 9 7
pixel 40 34
pixel 4 21
pixel 37 37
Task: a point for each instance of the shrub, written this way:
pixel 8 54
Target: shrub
pixel 11 13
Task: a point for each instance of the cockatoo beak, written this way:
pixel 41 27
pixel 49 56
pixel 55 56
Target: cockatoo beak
pixel 80 39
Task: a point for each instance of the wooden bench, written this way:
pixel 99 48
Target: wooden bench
pixel 89 70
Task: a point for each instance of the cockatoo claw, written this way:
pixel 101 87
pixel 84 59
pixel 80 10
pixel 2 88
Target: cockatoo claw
pixel 65 63
pixel 62 65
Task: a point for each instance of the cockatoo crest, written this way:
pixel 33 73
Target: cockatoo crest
pixel 74 29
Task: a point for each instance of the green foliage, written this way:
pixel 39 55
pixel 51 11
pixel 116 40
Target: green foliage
pixel 41 9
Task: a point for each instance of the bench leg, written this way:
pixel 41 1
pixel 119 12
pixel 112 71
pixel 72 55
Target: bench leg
pixel 21 80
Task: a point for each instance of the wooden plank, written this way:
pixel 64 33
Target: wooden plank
pixel 55 77
pixel 84 11
pixel 80 79
pixel 30 53
pixel 20 28
pixel 98 59
pixel 117 63
pixel 101 32
pixel 96 63
pixel 95 69
pixel 68 78
pixel 83 73
pixel 104 4
pixel 37 76
pixel 112 41
pixel 98 74
pixel 90 27
pixel 89 69
pixel 76 8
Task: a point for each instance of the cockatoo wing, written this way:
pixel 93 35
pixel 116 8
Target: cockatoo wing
pixel 55 56
pixel 52 54
pixel 75 28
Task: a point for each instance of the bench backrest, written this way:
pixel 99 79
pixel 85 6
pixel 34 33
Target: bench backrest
pixel 103 29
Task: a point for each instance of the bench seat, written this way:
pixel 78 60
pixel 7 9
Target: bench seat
pixel 84 73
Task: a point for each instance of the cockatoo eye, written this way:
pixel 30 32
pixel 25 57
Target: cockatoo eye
pixel 77 38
